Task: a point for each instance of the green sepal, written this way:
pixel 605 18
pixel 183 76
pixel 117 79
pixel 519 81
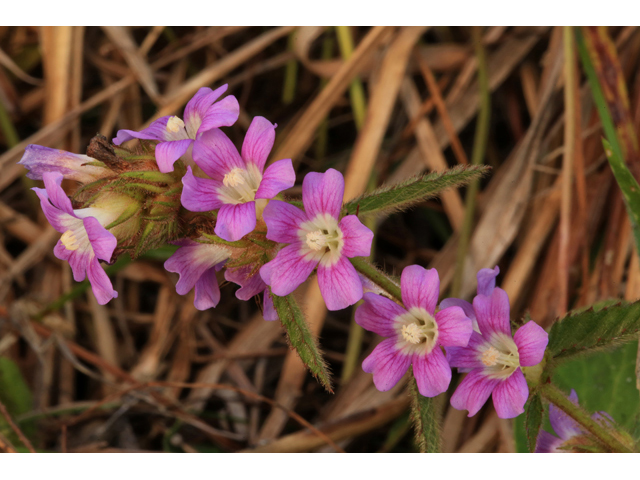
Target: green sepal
pixel 128 212
pixel 155 177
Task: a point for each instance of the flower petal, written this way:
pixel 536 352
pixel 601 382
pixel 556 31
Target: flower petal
pixel 487 280
pixel 100 282
pixel 207 290
pixel 322 193
pixel 59 219
pixel 277 177
pixel 216 155
pixel 103 242
pixel 531 340
pixel 192 260
pixel 156 131
pixel 510 395
pixel 387 364
pixel 198 106
pixel 457 302
pixel 168 152
pixel 492 312
pixel 473 392
pixel 58 197
pixel 283 221
pixel 466 357
pixel 339 284
pixel 235 221
pixel 287 271
pixel 250 285
pixel 221 114
pixel 357 237
pixel 420 288
pixel 38 160
pixel 200 194
pixel 258 142
pixel 564 426
pixel 547 443
pixel 268 310
pixel 454 327
pixel 78 260
pixel 377 314
pixel 432 372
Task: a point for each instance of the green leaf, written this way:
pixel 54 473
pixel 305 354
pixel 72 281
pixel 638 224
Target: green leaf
pixel 630 189
pixel 590 330
pixel 605 382
pixel 15 395
pixel 393 198
pixel 301 339
pixel 533 420
pixel 426 422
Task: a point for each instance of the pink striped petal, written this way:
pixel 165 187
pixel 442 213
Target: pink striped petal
pixel 473 392
pixel 531 340
pixel 339 284
pixel 235 221
pixel 221 114
pixel 268 310
pixel 258 142
pixel 277 177
pixel 420 288
pixel 156 131
pixel 487 280
pixel 387 364
pixel 58 197
pixel 197 108
pixel 200 194
pixel 510 395
pixel 454 327
pixel 100 283
pixel 322 193
pixel 168 152
pixel 432 372
pixel 251 283
pixel 283 221
pixel 492 312
pixel 287 271
pixel 377 314
pixel 216 155
pixel 357 238
pixel 102 241
pixel 547 443
pixel 456 302
pixel 466 357
pixel 207 290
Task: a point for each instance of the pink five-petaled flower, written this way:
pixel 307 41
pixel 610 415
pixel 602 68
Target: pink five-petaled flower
pixel 317 238
pixel 237 184
pixel 84 239
pixel 571 435
pixel 416 333
pixel 250 286
pixel 494 358
pixel 201 114
pixel 197 264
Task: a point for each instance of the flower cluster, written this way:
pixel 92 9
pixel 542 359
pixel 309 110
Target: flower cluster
pixel 477 339
pixel 188 185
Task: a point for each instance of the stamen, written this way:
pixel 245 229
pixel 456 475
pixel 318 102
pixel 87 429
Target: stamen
pixel 316 240
pixel 69 240
pixel 412 333
pixel 234 178
pixel 490 357
pixel 174 124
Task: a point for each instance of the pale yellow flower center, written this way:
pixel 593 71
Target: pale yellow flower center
pixel 174 124
pixel 69 240
pixel 411 333
pixel 234 178
pixel 490 357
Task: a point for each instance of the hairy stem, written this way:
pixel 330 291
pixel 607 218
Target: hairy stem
pixel 377 276
pixel 554 395
pixel 424 413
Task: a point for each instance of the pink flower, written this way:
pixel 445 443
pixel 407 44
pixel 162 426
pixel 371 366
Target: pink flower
pixel 494 358
pixel 317 238
pixel 197 264
pixel 201 114
pixel 415 334
pixel 235 182
pixel 39 160
pixel 85 240
pixel 251 284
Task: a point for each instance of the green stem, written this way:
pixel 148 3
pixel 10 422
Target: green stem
pixel 8 129
pixel 356 90
pixel 426 422
pixel 477 156
pixel 556 396
pixel 378 277
pixel 290 74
